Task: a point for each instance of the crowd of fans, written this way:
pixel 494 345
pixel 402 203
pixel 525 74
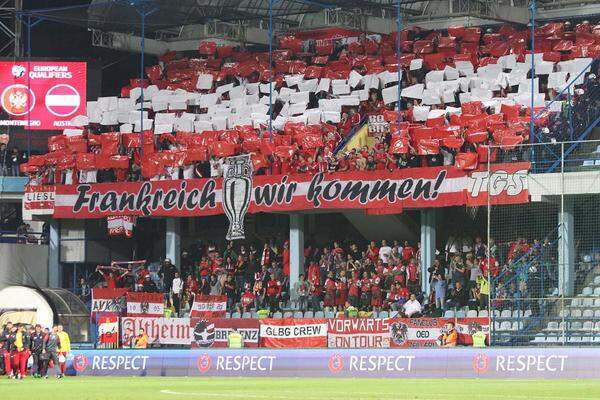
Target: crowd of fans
pixel 443 126
pixel 10 160
pixel 348 276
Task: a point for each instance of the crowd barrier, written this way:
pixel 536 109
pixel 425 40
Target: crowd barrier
pixel 301 332
pixel 507 363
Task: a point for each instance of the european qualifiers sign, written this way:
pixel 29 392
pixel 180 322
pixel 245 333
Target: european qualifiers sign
pixel 368 190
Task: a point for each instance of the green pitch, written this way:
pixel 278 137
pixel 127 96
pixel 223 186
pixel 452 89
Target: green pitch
pixel 72 388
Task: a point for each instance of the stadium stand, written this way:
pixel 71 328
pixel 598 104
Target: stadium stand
pixel 460 89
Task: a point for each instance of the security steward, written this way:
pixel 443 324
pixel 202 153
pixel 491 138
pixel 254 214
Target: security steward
pixel 235 339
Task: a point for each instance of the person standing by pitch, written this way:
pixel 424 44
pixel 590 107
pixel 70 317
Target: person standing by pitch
pixel 50 352
pixel 37 345
pixel 63 349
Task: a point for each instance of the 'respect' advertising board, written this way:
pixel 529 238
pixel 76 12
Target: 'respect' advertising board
pixel 42 95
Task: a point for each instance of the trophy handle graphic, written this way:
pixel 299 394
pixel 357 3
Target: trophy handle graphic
pixel 237 190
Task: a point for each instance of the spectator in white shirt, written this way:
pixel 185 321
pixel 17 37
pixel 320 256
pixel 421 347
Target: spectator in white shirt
pixel 176 291
pixel 384 252
pixel 412 308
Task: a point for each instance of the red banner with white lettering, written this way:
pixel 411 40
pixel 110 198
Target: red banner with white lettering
pixel 369 190
pixel 38 200
pixel 109 300
pixel 213 332
pixel 293 332
pixel 145 304
pixel 121 225
pixel 42 95
pixel 358 333
pixel 208 306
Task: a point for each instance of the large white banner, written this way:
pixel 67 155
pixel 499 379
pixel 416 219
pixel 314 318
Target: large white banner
pixel 160 330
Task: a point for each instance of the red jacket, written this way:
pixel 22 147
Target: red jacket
pixel 273 288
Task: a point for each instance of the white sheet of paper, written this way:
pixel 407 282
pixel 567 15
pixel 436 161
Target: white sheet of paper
pixel 420 113
pixel 72 132
pixel 349 100
pixel 464 97
pixel 324 84
pixel 148 123
pixel 313 116
pixel 164 118
pixel 309 85
pixel 557 80
pixel 371 81
pixel 434 76
pixel 293 80
pixel 126 128
pixel 431 96
pixel 299 97
pixel 363 94
pixel 340 89
pixel 508 61
pixel 252 88
pixel 450 73
pixel 297 108
pixel 84 120
pixel 448 96
pixel 331 116
pixel 354 79
pixel 202 126
pixel 224 89
pixel 414 91
pixel 416 64
pixel 481 94
pixel 162 128
pixel 544 68
pixel 219 123
pixel 205 82
pixel 390 95
pixel 185 125
pixel 435 113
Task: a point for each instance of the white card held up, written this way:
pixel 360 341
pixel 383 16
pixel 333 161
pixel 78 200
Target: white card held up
pixel 297 108
pixel 434 76
pixel 431 97
pixel 224 89
pixel 414 91
pixel 252 88
pixel 448 96
pixel 164 118
pixel 324 84
pixel 202 126
pixel 390 95
pixel 82 120
pixel 72 132
pixel 162 128
pixel 313 116
pixel 205 82
pixel 557 80
pixel 450 73
pixel 308 86
pixel 354 79
pixel 371 81
pixel 299 97
pixel 147 124
pixel 420 113
pixel 362 95
pixel 219 123
pixel 340 89
pixel 416 64
pixel 293 80
pixel 351 100
pixel 435 113
pixel 126 128
pixel 185 125
pixel 508 61
pixel 331 116
pixel 544 68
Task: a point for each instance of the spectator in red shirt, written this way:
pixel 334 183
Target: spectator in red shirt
pixel 330 287
pixel 273 293
pixel 408 252
pixel 111 279
pixel 412 276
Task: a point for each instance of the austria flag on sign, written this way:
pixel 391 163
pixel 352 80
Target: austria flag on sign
pixel 145 304
pixel 208 306
pixel 62 100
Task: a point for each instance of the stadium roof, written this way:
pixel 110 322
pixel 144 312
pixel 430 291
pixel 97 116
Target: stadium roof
pixel 124 15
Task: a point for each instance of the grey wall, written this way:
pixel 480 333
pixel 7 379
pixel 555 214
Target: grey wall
pixel 25 264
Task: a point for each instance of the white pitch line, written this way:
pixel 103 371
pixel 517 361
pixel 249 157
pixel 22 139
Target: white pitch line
pixel 377 395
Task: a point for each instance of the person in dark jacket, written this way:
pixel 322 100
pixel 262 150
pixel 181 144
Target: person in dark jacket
pixel 37 345
pixel 50 352
pixel 5 348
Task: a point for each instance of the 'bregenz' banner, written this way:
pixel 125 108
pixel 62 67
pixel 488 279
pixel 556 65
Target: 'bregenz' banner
pixel 213 332
pixel 42 94
pixel 195 332
pixel 293 332
pixel 109 300
pixel 145 304
pixel 504 363
pixel 372 191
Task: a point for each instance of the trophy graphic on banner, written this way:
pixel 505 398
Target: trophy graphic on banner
pixel 237 192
